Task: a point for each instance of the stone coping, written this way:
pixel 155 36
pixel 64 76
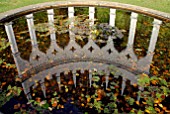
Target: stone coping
pixel 16 13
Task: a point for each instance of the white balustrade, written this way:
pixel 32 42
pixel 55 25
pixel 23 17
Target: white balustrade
pixel 50 13
pixel 31 28
pixel 123 85
pixel 71 16
pixel 132 28
pixel 154 36
pixel 90 78
pixel 91 15
pixel 112 17
pixel 74 77
pixel 26 91
pixel 140 89
pixel 43 88
pixel 11 37
pixel 107 80
pixel 58 81
pixel 144 63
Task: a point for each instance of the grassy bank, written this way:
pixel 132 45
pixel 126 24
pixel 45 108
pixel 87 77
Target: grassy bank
pixel 161 5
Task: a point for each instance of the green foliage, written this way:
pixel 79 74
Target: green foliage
pixel 143 80
pixel 106 110
pixel 96 78
pixel 39 105
pixel 155 91
pixel 102 14
pixel 140 112
pixel 151 110
pixel 97 103
pixel 131 101
pixel 152 94
pixel 6 95
pixel 3 45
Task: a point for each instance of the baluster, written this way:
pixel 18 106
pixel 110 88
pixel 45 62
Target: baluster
pixel 71 16
pixel 90 77
pixel 107 74
pixel 140 89
pixel 14 48
pixel 107 80
pixel 112 17
pixel 132 59
pixel 74 77
pixel 26 91
pixel 50 13
pixel 29 97
pixel 58 81
pixel 31 28
pixel 91 15
pixel 144 63
pixel 54 52
pixel 132 28
pixel 11 37
pixel 154 36
pixel 123 86
pixel 43 88
pixel 71 25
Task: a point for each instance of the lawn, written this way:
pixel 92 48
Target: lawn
pixel 161 5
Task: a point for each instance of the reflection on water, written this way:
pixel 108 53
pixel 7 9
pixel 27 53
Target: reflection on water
pixel 68 52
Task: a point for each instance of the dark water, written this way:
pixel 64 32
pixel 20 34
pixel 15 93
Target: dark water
pixel 160 65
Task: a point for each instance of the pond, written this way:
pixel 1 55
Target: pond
pixel 70 62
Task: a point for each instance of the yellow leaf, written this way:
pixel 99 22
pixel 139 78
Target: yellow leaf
pixel 82 104
pixel 50 108
pixel 160 105
pixel 88 99
pixel 66 89
pixel 74 91
pixel 144 102
pixel 8 94
pixel 137 102
pixel 72 102
pixel 83 89
pixel 98 99
pixel 143 74
pixel 135 85
pixel 108 89
pixel 156 101
pixel 154 82
pixel 62 106
pixel 147 111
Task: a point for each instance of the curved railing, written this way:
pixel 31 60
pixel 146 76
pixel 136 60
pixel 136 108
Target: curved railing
pixel 13 14
pixel 73 56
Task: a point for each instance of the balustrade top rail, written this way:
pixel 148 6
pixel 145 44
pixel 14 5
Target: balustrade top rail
pixel 10 15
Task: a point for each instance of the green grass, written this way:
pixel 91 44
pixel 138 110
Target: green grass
pixel 161 5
